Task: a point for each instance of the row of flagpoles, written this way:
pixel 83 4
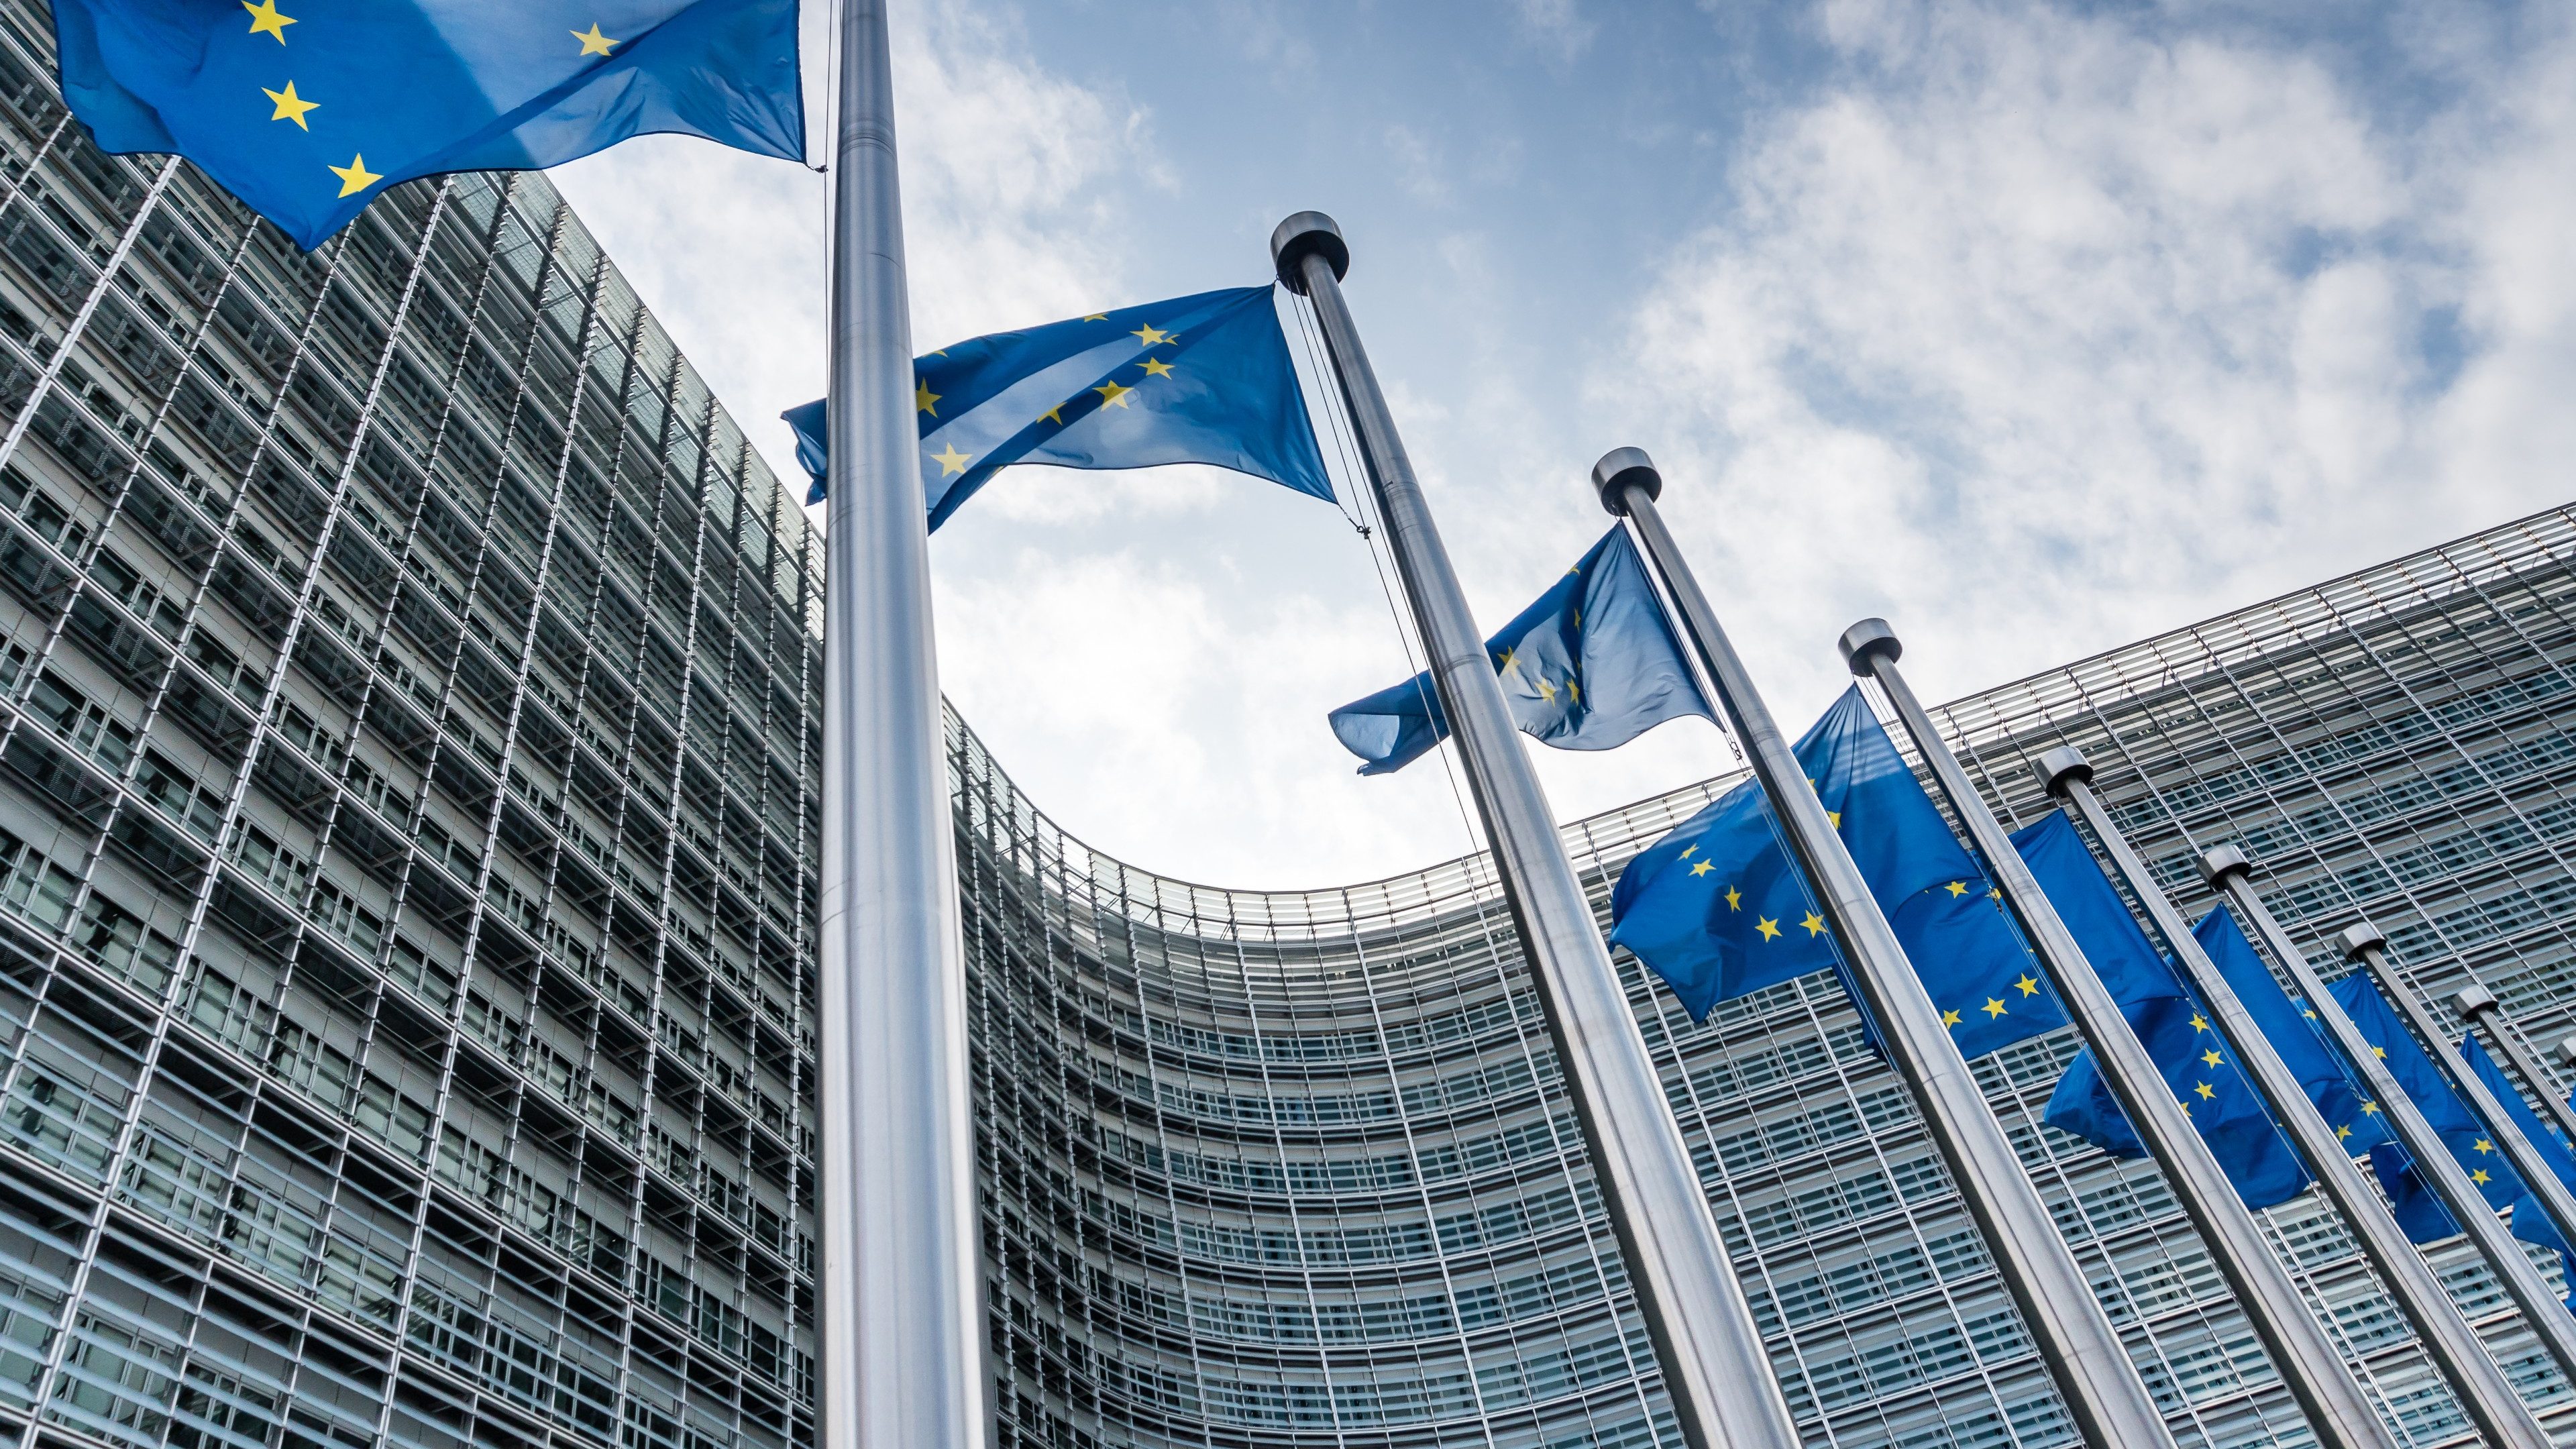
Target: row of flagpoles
pixel 1833 857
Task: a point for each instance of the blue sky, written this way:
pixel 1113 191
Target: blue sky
pixel 2036 328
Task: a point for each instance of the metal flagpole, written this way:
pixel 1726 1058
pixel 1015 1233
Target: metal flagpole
pixel 2455 1346
pixel 1714 1366
pixel 902 1334
pixel 2365 944
pixel 2479 1007
pixel 2306 1357
pixel 2227 868
pixel 2103 1392
pixel 2262 1286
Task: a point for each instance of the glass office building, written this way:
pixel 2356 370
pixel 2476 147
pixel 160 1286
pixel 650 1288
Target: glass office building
pixel 408 681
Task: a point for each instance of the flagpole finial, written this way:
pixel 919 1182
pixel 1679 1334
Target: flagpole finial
pixel 2065 766
pixel 2221 861
pixel 1308 233
pixel 2472 999
pixel 1868 641
pixel 1618 469
pixel 2358 941
pixel 2566 1052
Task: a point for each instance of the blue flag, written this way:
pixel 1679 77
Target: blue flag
pixel 1591 665
pixel 2292 1032
pixel 307 110
pixel 2531 1221
pixel 2418 1210
pixel 1204 379
pixel 1717 908
pixel 2430 1091
pixel 2195 1064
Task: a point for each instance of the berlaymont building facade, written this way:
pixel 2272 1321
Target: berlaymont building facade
pixel 408 702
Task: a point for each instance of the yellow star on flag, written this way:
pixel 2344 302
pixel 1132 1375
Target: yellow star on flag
pixel 1097 317
pixel 594 43
pixel 2479 1177
pixel 950 460
pixel 2483 1145
pixel 1054 415
pixel 1814 923
pixel 1545 688
pixel 1156 367
pixel 264 19
pixel 1734 898
pixel 2210 1058
pixel 1836 817
pixel 1703 868
pixel 1151 335
pixel 2199 1022
pixel 1113 394
pixel 2380 1052
pixel 1958 888
pixel 2029 986
pixel 2370 1109
pixel 1949 1018
pixel 1688 850
pixel 290 106
pixel 354 177
pixel 924 400
pixel 2343 1133
pixel 1994 1008
pixel 2204 1090
pixel 1769 928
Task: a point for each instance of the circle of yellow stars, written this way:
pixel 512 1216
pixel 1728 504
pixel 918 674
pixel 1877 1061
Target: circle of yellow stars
pixel 1111 392
pixel 287 104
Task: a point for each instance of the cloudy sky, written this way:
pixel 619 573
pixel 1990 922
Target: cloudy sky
pixel 2035 328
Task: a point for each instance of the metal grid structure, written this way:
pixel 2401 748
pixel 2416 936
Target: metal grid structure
pixel 406 699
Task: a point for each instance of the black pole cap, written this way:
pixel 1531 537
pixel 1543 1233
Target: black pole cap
pixel 1308 233
pixel 2063 766
pixel 1619 468
pixel 1867 641
pixel 2221 861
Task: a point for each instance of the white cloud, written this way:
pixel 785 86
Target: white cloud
pixel 1556 25
pixel 2038 334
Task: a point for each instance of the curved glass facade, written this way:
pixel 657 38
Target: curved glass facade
pixel 1297 1168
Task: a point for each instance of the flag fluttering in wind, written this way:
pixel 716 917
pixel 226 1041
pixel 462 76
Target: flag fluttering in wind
pixel 307 109
pixel 2531 1221
pixel 2470 1143
pixel 1590 665
pixel 1202 379
pixel 2170 1023
pixel 1718 909
pixel 2291 1031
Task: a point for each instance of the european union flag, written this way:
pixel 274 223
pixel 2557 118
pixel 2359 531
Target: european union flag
pixel 2188 1053
pixel 2531 1221
pixel 2292 1034
pixel 1590 665
pixel 1718 909
pixel 2429 1090
pixel 1203 379
pixel 2418 1210
pixel 307 110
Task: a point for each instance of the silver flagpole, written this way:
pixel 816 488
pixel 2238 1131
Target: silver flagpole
pixel 1714 1366
pixel 2262 1286
pixel 2103 1392
pixel 2481 1009
pixel 2365 944
pixel 902 1337
pixel 2227 868
pixel 2307 1359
